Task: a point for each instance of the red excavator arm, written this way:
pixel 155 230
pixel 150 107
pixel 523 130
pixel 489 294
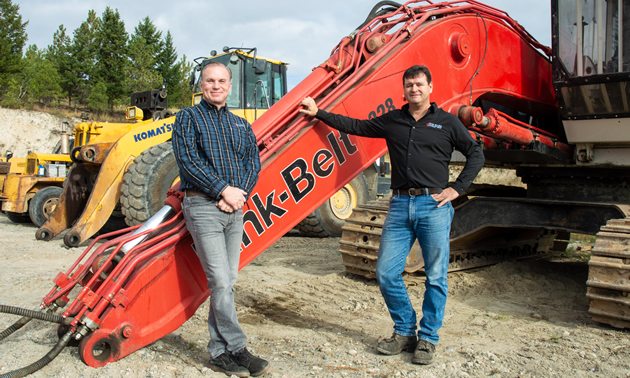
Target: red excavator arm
pixel 472 51
pixel 136 292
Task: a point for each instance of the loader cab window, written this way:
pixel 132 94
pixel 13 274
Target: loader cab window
pixel 251 89
pixel 234 98
pixel 262 90
pixel 279 82
pixel 257 86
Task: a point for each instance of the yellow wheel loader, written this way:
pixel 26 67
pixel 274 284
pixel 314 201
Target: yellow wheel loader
pixel 33 195
pixel 10 165
pixel 130 166
pixel 30 187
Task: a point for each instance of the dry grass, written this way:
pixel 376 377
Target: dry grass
pixel 62 109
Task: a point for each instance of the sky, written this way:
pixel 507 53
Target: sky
pixel 302 33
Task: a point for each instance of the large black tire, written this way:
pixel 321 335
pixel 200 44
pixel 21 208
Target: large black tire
pixel 146 182
pixel 43 204
pixel 328 219
pixel 18 217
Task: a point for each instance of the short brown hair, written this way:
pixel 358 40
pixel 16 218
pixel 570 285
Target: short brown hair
pixel 415 71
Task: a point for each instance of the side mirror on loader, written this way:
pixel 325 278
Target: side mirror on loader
pixel 260 66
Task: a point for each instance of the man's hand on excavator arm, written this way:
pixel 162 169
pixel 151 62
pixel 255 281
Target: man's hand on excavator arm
pixel 309 107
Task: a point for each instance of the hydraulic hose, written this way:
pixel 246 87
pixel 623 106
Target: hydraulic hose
pixel 375 12
pixel 30 369
pixel 14 327
pixel 31 314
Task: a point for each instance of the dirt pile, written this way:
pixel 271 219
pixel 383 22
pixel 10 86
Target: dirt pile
pixel 26 130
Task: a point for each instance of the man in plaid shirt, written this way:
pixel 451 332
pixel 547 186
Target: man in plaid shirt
pixel 219 163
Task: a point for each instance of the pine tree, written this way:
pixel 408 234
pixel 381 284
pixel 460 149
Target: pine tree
pixel 179 94
pixel 97 100
pixel 112 56
pixel 38 83
pixel 141 73
pixel 12 39
pixel 84 52
pixel 152 37
pixel 15 94
pixel 170 69
pixel 45 87
pixel 59 54
pixel 27 76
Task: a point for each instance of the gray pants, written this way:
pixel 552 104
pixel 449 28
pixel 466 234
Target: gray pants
pixel 218 237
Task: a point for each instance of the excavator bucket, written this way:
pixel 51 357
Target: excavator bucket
pixel 136 288
pixel 137 315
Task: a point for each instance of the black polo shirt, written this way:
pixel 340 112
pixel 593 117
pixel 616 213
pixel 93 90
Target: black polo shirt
pixel 419 151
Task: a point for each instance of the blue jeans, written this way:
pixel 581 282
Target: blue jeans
pixel 410 218
pixel 218 237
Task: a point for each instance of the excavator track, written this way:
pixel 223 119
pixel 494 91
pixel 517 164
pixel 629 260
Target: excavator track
pixel 608 284
pixel 362 233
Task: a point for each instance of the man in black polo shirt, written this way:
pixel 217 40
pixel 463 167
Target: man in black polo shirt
pixel 421 138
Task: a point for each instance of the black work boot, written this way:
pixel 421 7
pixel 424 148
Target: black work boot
pixel 396 344
pixel 225 363
pixel 424 353
pixel 255 365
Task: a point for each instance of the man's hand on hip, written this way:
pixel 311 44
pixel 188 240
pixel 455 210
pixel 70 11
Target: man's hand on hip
pixel 446 196
pixel 233 197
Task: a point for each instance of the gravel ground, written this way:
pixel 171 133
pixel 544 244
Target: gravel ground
pixel 308 317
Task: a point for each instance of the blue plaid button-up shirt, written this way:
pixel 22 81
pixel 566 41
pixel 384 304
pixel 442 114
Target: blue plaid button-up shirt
pixel 214 148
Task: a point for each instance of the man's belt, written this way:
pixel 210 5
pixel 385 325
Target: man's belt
pixel 417 192
pixel 195 193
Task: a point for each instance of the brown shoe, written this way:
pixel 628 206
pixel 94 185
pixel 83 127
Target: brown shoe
pixel 424 353
pixel 396 344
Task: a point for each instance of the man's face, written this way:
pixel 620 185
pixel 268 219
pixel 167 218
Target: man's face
pixel 215 85
pixel 417 90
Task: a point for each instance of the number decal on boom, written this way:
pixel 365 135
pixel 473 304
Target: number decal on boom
pixel 382 109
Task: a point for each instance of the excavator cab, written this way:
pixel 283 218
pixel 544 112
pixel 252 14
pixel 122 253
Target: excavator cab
pixel 592 46
pixel 257 83
pixel 591 50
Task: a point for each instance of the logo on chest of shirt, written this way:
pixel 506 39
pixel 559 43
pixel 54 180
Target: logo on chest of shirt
pixel 434 125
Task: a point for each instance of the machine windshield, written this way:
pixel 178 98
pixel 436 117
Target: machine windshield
pixel 603 49
pixel 593 57
pixel 251 89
